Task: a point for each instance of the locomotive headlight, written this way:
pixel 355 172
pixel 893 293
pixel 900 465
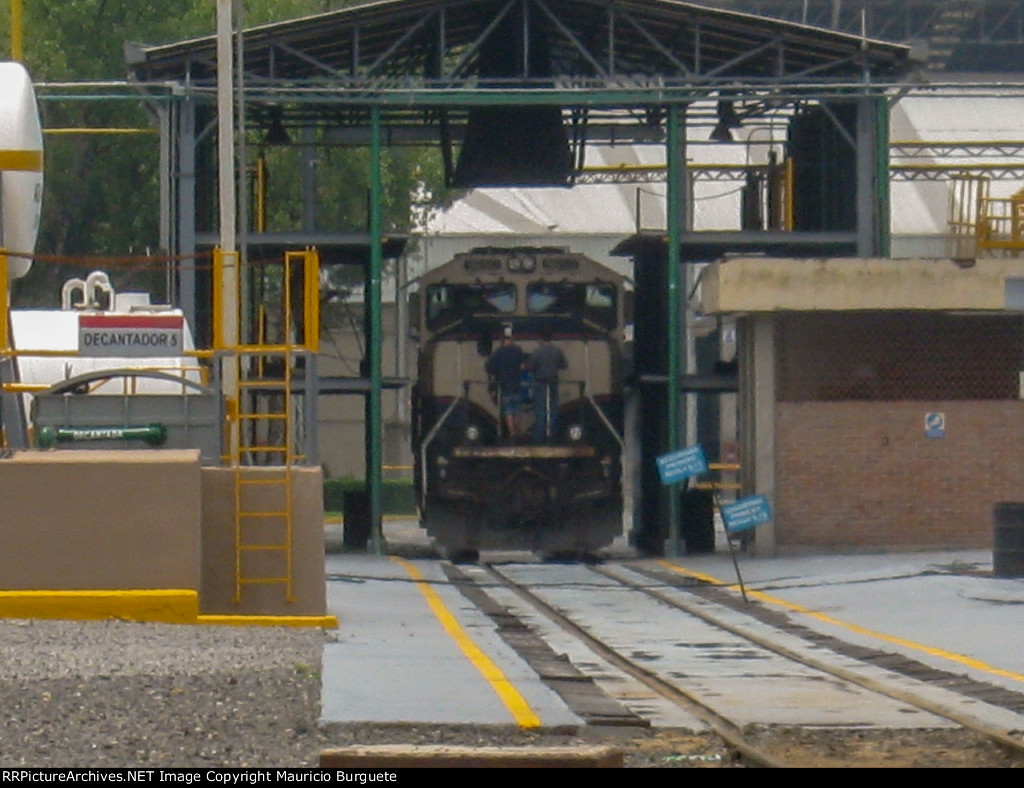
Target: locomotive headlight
pixel 472 433
pixel 575 432
pixel 529 264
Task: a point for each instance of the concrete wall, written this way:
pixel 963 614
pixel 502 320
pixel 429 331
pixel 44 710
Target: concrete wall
pixel 775 284
pixel 79 520
pixel 217 591
pixel 151 520
pixel 863 475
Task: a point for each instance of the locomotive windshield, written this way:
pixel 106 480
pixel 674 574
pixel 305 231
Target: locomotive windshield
pixel 594 302
pixel 447 304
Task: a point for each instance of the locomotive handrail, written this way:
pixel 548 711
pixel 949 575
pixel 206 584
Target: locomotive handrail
pixel 584 394
pixel 607 422
pixel 426 443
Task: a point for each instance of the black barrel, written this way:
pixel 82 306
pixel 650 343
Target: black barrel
pixel 697 521
pixel 1008 540
pixel 356 516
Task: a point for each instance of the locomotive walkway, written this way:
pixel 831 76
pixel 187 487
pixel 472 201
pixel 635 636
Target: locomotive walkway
pixel 411 648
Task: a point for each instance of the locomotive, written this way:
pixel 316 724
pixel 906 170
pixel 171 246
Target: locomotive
pixel 479 488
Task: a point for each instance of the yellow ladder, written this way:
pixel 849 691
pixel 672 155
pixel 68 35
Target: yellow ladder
pixel 263 471
pixel 262 443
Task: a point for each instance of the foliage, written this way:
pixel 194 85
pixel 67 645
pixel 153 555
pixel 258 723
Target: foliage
pixel 102 190
pixel 343 185
pixel 397 496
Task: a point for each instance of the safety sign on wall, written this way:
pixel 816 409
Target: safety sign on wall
pixel 935 425
pixel 130 335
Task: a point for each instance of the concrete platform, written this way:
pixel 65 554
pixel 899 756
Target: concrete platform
pixel 411 648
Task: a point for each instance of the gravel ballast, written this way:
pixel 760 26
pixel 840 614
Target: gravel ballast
pixel 116 693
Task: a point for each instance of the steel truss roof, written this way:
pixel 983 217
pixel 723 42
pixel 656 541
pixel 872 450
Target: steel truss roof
pixel 623 52
pixel 975 22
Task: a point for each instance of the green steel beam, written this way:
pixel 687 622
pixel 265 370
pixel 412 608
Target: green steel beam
pixel 883 194
pixel 374 428
pixel 674 203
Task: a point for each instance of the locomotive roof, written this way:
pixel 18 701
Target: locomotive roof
pixel 444 271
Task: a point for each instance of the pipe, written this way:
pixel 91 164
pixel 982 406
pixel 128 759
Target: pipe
pixel 95 283
pixel 68 290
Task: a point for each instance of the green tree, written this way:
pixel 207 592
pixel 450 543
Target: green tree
pixel 101 189
pixel 100 194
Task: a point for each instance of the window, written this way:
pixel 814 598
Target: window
pixel 595 302
pixel 447 304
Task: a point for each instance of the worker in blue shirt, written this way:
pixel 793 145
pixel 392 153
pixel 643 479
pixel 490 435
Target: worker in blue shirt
pixel 505 365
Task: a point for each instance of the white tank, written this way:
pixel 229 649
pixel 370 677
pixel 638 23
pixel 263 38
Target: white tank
pixel 21 166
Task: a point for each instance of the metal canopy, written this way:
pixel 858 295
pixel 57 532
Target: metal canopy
pixel 381 51
pixel 378 70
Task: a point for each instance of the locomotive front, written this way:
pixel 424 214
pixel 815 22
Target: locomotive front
pixel 479 487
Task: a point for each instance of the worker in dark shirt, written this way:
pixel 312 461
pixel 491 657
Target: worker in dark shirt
pixel 544 365
pixel 505 365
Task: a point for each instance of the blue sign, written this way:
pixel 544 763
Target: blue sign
pixel 679 465
pixel 935 425
pixel 746 513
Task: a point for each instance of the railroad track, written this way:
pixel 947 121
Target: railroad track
pixel 610 610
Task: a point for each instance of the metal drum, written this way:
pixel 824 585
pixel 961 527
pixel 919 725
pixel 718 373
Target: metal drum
pixel 1008 540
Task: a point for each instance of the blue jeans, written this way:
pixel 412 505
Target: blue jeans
pixel 545 412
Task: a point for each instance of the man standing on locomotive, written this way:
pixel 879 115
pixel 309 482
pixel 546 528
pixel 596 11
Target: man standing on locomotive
pixel 544 364
pixel 506 366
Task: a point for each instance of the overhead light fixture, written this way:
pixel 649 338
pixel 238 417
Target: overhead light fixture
pixel 727 120
pixel 277 134
pixel 727 114
pixel 721 133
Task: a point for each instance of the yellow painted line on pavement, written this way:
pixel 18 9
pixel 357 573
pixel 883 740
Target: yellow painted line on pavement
pixel 524 716
pixel 960 659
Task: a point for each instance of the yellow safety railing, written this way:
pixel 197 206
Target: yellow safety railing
pixel 1001 226
pixel 718 484
pixel 983 226
pixel 966 197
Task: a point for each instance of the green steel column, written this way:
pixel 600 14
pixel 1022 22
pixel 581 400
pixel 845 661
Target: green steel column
pixel 673 219
pixel 883 192
pixel 373 341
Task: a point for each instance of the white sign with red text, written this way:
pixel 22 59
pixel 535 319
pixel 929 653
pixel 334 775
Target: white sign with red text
pixel 130 335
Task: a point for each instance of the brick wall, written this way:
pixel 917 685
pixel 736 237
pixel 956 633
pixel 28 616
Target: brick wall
pixel 862 475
